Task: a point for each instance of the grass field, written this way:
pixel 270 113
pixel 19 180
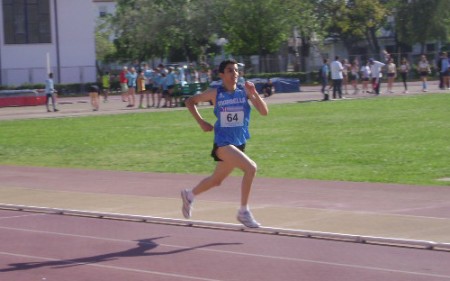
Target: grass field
pixel 388 139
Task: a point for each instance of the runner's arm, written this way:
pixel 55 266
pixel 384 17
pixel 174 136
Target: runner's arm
pixel 191 103
pixel 256 100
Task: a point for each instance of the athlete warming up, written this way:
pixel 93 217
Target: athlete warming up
pixel 231 132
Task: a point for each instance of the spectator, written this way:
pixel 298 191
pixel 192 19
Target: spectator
pixel 124 83
pixel 404 69
pixel 365 77
pixel 94 92
pixel 337 76
pixel 164 89
pixel 444 71
pixel 170 82
pixel 156 90
pixel 375 72
pixel 106 85
pixel 131 77
pixel 141 89
pixel 345 79
pixel 148 74
pixel 424 70
pixel 50 92
pixel 354 76
pixel 439 68
pixel 268 89
pixel 391 75
pixel 323 73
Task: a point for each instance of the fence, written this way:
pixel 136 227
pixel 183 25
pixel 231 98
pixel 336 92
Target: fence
pixel 278 63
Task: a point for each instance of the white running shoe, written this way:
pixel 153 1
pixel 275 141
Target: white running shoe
pixel 246 218
pixel 187 204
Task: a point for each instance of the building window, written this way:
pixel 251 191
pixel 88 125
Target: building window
pixel 103 11
pixel 26 21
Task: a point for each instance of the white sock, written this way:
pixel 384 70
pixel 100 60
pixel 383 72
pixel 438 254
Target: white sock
pixel 244 209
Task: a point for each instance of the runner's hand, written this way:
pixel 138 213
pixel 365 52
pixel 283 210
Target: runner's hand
pixel 206 127
pixel 250 87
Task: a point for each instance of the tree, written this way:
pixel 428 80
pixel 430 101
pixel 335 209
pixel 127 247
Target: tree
pixel 421 21
pixel 103 46
pixel 164 28
pixel 255 27
pixel 354 20
pixel 137 25
pixel 261 27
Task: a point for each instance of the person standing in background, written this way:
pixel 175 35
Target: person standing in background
pixel 365 77
pixel 424 70
pixel 94 92
pixel 404 69
pixel 354 76
pixel 444 71
pixel 141 89
pixel 50 92
pixel 106 85
pixel 391 75
pixel 324 72
pixel 131 77
pixel 375 72
pixel 337 77
pixel 124 83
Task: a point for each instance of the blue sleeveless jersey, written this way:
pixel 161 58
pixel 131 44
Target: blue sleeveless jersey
pixel 233 115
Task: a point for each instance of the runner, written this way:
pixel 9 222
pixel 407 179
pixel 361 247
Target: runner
pixel 232 110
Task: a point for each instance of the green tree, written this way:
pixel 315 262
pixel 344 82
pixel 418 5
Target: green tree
pixel 262 27
pixel 178 29
pixel 255 27
pixel 104 48
pixel 421 21
pixel 354 20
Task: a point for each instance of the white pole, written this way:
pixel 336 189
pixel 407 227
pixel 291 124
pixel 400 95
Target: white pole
pixel 48 63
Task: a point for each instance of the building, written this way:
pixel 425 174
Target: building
pixel 105 7
pixel 41 36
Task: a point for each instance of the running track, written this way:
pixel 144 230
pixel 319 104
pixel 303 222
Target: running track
pixel 53 247
pixel 50 247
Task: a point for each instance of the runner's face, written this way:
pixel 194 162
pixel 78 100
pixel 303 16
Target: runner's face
pixel 230 73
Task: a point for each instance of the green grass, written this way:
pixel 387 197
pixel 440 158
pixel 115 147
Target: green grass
pixel 387 139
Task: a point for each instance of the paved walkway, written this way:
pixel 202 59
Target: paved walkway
pixel 80 106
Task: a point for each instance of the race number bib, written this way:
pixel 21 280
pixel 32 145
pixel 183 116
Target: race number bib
pixel 232 119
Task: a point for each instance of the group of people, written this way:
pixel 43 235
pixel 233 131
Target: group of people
pixel 155 87
pixel 370 74
pixel 155 84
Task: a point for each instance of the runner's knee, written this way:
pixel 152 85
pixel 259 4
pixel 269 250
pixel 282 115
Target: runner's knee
pixel 251 167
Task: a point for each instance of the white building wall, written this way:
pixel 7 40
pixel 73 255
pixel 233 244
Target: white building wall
pixel 77 41
pixel 27 63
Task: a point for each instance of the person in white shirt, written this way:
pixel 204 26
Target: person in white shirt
pixel 365 77
pixel 337 76
pixel 375 70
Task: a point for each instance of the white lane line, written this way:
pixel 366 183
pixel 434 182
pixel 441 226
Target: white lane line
pixel 360 267
pixel 21 216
